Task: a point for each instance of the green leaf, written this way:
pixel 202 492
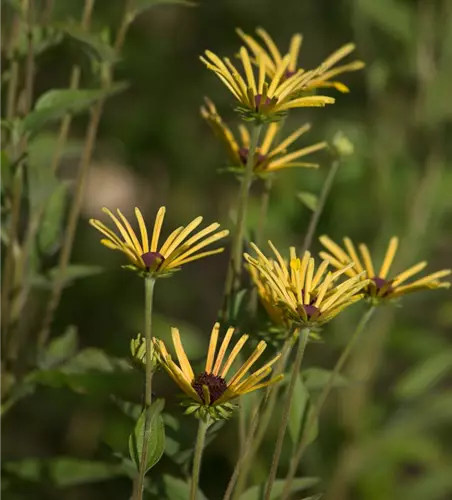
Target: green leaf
pixel 299 484
pixel 176 489
pixel 43 39
pixel 54 104
pixel 316 378
pixel 142 5
pixel 298 409
pixel 59 349
pixel 64 471
pixel 424 376
pixel 90 371
pixel 156 444
pixel 309 200
pixel 94 45
pixel 52 219
pixel 42 182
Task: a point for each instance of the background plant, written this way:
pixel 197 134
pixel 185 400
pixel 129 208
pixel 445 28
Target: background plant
pixel 151 146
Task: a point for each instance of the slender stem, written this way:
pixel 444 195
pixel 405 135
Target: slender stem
pixel 254 440
pixel 65 254
pixel 296 457
pixel 47 11
pixel 264 204
pixel 302 342
pixel 30 64
pixel 66 250
pixel 241 421
pixel 16 282
pixel 235 264
pixel 10 259
pixel 326 188
pixel 14 70
pixel 203 425
pixel 10 280
pixel 149 299
pixel 35 218
pixel 74 83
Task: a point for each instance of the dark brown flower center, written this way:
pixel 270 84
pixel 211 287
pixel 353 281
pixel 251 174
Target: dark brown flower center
pixel 152 260
pixel 383 286
pixel 215 384
pixel 311 311
pixel 258 101
pixel 258 158
pixel 288 73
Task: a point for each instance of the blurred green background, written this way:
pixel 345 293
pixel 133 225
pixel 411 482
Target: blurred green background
pixel 387 436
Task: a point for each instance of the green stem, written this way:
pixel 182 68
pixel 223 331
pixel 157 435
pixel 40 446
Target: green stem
pixel 258 240
pixel 296 457
pixel 199 448
pixel 235 264
pixel 326 188
pixel 74 82
pixel 23 275
pixel 302 342
pixel 254 440
pixel 265 201
pixel 149 296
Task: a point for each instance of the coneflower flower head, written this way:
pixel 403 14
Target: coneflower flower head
pixel 211 392
pixel 147 257
pixel 320 77
pixel 380 287
pixel 308 297
pixel 269 157
pixel 262 99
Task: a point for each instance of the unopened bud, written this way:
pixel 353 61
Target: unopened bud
pixel 342 144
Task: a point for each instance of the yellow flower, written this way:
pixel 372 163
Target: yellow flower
pixel 260 99
pixel 306 297
pixel 268 299
pixel 379 286
pixel 267 160
pixel 210 389
pixel 319 78
pixel 147 256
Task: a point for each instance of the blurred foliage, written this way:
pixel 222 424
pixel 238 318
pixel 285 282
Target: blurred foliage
pixel 69 407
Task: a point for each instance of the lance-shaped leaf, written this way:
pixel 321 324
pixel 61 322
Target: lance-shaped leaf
pixel 93 44
pixel 156 442
pixel 54 104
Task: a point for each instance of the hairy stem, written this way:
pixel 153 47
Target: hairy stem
pixel 203 425
pixel 148 303
pixel 264 204
pixel 235 263
pixel 302 342
pixel 296 457
pixel 254 440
